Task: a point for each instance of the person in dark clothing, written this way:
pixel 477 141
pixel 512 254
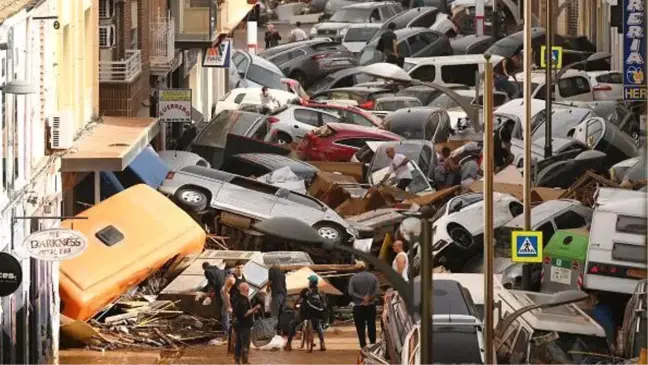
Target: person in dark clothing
pixel 278 292
pixel 508 67
pixel 312 306
pixel 244 318
pixel 215 281
pixel 388 45
pixel 230 290
pixel 502 149
pixel 272 37
pixel 363 289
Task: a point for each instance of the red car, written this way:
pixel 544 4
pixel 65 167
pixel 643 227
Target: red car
pixel 339 141
pixel 354 115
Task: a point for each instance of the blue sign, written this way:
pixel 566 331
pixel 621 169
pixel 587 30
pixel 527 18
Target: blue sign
pixel 634 50
pixel 526 246
pixel 219 56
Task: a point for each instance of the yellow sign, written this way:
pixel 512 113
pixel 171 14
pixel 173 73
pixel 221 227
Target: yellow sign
pixel 556 57
pixel 526 246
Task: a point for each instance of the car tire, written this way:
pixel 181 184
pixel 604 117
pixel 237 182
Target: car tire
pixel 460 236
pixel 330 232
pixel 191 199
pixel 283 139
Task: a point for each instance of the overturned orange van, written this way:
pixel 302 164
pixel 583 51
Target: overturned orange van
pixel 130 236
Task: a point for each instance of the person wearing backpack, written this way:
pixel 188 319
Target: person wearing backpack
pixel 312 306
pixel 215 281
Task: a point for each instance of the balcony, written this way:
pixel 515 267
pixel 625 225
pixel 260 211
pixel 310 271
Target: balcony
pixel 124 71
pixel 162 45
pixel 195 22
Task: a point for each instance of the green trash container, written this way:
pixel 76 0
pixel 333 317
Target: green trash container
pixel 563 266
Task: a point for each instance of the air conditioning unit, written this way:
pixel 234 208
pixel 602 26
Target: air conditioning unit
pixel 106 9
pixel 106 36
pixel 62 130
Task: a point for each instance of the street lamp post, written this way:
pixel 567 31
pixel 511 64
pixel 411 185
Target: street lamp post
pixel 527 88
pixel 548 76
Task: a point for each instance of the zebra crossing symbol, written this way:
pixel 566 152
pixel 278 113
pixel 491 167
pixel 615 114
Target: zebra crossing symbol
pixel 526 246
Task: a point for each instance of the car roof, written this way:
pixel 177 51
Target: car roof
pixel 565 318
pixel 515 106
pixel 367 89
pixel 414 113
pixel 538 76
pixel 274 161
pixel 467 41
pixel 365 25
pixel 208 172
pixel 410 31
pixel 396 98
pixel 369 5
pixel 270 52
pixel 411 14
pixel 260 61
pixel 474 283
pixel 453 60
pixel 448 297
pixel 354 128
pixel 543 211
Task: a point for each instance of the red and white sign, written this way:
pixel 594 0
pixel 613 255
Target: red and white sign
pixel 174 105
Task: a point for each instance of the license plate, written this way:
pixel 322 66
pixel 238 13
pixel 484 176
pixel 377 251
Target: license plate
pixel 638 274
pixel 560 275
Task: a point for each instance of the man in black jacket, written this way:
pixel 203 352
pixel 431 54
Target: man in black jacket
pixel 278 292
pixel 244 318
pixel 215 281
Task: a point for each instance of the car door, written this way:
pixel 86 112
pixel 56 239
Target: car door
pixel 290 204
pixel 247 197
pixel 575 88
pixel 423 73
pixel 304 121
pixel 418 45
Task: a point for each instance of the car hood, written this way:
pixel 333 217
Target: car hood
pixel 331 26
pixel 355 47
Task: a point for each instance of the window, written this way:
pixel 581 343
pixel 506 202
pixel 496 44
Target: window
pixel 374 17
pixel 288 56
pixel 243 64
pixel 352 142
pixel 426 20
pixel 460 74
pixel 327 118
pixel 304 200
pixel 237 58
pixel 478 48
pixel 628 224
pixel 261 130
pixel 569 219
pixel 350 15
pixel 423 73
pixel 572 86
pixel 265 77
pixel 306 116
pixel 403 49
pixel 541 94
pixel 417 43
pixel 254 185
pixel 360 34
pixel 431 126
pixel 582 85
pixel 133 33
pixel 610 78
pixel 627 252
pixel 239 98
pixel 547 231
pixel 519 353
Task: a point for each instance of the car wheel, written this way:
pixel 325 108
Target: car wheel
pixel 192 199
pixel 283 139
pixel 460 236
pixel 330 232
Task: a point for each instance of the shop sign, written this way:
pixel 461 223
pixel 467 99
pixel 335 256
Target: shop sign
pixel 219 56
pixel 56 244
pixel 634 50
pixel 10 274
pixel 174 105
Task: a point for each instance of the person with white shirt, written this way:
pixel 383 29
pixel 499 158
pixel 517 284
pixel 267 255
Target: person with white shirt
pixel 401 261
pixel 298 34
pixel 398 167
pixel 268 102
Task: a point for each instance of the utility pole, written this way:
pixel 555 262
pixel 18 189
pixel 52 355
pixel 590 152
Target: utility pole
pixel 489 246
pixel 252 30
pixel 526 269
pixel 427 287
pixel 549 86
pixel 495 22
pixel 479 17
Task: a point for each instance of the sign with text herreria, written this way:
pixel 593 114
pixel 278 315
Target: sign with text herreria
pixel 634 50
pixel 174 105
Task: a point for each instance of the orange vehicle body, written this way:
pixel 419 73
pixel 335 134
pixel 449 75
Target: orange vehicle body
pixel 154 231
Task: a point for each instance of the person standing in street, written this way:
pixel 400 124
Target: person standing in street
pixel 388 44
pixel 298 34
pixel 272 37
pixel 230 291
pixel 312 307
pixel 244 315
pixel 278 292
pixel 398 166
pixel 363 289
pixel 401 261
pixel 215 281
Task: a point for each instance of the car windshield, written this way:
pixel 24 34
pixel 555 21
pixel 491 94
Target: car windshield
pixel 351 16
pixel 408 129
pixel 446 102
pixel 360 34
pixel 265 77
pixel 567 348
pixel 349 117
pixel 393 105
pixel 425 96
pixel 370 55
pixel 226 122
pixel 321 84
pixel 380 160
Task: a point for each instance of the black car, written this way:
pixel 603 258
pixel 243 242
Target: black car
pixel 231 132
pixel 311 61
pixel 471 44
pixel 422 17
pixel 343 78
pixel 430 124
pixel 412 42
pixel 259 164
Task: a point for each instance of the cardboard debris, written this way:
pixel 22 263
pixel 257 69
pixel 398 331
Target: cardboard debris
pixel 509 175
pixel 585 187
pixel 326 187
pixel 298 280
pixel 351 169
pixel 451 144
pixel 435 198
pixel 374 199
pixel 538 195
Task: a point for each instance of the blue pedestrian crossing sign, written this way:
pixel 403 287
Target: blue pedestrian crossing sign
pixel 556 57
pixel 526 246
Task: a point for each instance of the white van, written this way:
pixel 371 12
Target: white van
pixel 251 95
pixel 616 259
pixel 443 70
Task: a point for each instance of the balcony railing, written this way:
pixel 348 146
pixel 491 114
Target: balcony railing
pixel 162 44
pixel 125 70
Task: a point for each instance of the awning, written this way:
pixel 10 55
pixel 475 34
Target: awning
pixel 231 13
pixel 110 145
